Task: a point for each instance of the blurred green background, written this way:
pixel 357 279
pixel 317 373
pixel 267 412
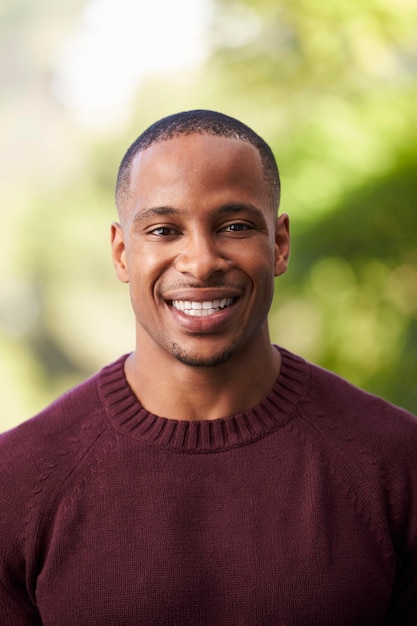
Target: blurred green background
pixel 332 86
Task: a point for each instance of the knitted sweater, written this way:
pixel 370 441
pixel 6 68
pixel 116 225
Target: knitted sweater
pixel 301 511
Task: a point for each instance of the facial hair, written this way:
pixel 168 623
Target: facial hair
pixel 195 360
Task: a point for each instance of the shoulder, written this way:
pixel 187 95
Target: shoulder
pixel 73 414
pixel 345 406
pixel 374 438
pixel 46 448
pixel 332 404
pixel 52 427
pixel 357 433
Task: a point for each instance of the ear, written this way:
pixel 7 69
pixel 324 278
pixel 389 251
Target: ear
pixel 119 252
pixel 282 244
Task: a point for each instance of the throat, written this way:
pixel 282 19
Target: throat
pixel 168 388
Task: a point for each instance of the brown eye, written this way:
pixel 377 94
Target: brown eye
pixel 237 227
pixel 162 231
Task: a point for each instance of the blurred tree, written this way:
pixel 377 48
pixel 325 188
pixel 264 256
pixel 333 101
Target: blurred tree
pixel 357 269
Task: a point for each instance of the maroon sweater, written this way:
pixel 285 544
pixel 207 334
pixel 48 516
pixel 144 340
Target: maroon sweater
pixel 301 511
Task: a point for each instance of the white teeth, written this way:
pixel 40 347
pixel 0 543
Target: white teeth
pixel 200 309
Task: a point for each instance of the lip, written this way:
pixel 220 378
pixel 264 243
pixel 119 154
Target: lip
pixel 207 324
pixel 203 294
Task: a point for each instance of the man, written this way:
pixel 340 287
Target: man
pixel 208 478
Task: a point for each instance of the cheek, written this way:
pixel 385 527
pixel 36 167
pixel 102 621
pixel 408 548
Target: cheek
pixel 146 269
pixel 264 275
pixel 263 262
pixel 141 261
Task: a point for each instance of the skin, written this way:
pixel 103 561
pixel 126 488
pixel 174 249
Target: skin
pixel 198 226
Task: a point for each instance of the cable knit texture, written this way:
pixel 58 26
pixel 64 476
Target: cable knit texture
pixel 301 511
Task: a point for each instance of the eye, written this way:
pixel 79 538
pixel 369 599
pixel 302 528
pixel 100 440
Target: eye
pixel 163 231
pixel 237 227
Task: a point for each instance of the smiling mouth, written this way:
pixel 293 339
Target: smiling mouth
pixel 202 309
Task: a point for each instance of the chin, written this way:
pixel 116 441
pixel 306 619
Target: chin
pixel 198 360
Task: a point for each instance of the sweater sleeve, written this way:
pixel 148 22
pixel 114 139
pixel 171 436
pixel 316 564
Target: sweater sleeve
pixel 381 441
pixel 401 489
pixel 16 606
pixel 35 460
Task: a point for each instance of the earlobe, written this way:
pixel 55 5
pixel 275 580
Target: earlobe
pixel 282 244
pixel 119 252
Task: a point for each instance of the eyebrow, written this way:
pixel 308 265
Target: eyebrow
pixel 161 211
pixel 164 211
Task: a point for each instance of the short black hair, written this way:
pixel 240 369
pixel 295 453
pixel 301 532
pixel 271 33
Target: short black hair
pixel 199 121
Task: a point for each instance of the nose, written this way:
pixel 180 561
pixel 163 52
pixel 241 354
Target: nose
pixel 201 258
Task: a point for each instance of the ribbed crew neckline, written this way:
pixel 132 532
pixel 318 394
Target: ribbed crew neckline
pixel 129 417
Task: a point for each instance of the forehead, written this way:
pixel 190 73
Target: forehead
pixel 197 162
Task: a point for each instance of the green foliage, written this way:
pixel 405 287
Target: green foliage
pixel 357 270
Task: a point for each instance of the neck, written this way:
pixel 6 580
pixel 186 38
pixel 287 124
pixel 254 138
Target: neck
pixel 203 393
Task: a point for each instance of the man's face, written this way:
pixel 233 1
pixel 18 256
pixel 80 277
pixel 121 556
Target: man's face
pixel 199 246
